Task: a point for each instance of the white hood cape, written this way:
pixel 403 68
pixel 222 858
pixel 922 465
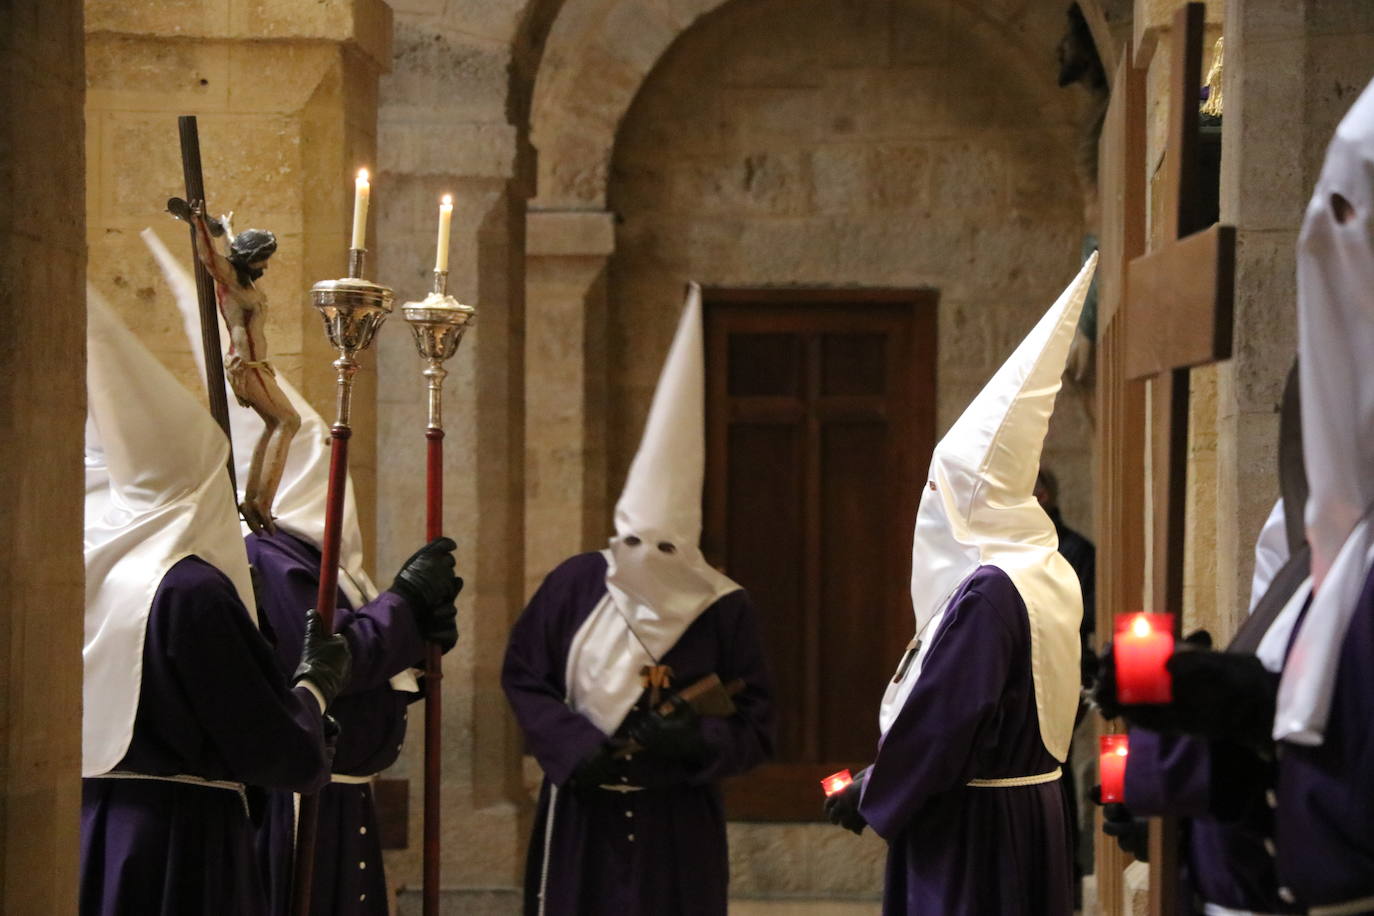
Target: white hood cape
pixel 1335 343
pixel 657 580
pixel 156 492
pixel 978 509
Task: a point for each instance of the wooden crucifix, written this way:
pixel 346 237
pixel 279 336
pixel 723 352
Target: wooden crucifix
pixel 1121 425
pixel 1177 313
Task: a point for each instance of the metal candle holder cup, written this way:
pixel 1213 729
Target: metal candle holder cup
pixel 439 322
pixel 353 309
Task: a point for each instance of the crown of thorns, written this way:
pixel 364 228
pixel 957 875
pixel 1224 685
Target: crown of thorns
pixel 252 245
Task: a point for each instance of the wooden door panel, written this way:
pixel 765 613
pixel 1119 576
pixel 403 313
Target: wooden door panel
pixel 820 419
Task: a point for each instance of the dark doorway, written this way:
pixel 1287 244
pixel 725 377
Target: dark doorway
pixel 820 410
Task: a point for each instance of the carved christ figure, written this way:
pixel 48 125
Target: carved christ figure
pixel 251 376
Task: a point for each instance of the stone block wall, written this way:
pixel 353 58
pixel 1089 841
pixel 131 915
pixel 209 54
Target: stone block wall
pixel 286 101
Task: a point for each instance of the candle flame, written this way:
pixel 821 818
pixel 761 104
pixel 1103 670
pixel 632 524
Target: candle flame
pixel 1141 627
pixel 446 200
pixel 1122 751
pixel 362 177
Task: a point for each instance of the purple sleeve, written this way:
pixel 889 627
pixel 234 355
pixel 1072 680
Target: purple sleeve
pixel 266 733
pixel 532 677
pixel 948 718
pixel 744 740
pixel 384 639
pixel 1168 774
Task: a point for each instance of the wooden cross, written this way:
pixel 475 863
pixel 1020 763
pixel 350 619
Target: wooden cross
pixel 1177 313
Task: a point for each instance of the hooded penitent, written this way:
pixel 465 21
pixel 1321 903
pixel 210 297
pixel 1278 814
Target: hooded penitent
pixel 303 494
pixel 165 497
pixel 657 580
pixel 1335 343
pixel 978 509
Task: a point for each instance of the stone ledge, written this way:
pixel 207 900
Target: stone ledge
pixel 365 24
pixel 569 233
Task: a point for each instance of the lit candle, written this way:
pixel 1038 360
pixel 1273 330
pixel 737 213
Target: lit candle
pixel 836 782
pixel 361 192
pixel 445 225
pixel 1111 767
pixel 1141 648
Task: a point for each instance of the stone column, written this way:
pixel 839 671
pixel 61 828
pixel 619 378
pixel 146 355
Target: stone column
pixel 286 98
pixel 445 129
pixel 42 414
pixel 565 394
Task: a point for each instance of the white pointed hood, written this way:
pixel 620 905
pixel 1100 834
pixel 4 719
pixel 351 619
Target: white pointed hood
pixel 663 581
pixel 304 491
pixel 1335 340
pixel 978 508
pixel 656 577
pixel 157 492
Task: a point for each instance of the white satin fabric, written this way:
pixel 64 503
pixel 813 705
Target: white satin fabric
pixel 1336 351
pixel 1271 552
pixel 157 492
pixel 978 508
pixel 656 577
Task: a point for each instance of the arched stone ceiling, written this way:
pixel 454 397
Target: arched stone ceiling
pixel 599 53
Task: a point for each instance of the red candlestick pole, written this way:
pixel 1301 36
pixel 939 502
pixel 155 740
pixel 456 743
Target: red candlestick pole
pixel 1141 650
pixel 434 695
pixel 353 309
pixel 438 323
pixel 1111 767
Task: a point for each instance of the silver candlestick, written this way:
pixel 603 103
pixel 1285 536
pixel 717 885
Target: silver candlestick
pixel 353 309
pixel 439 322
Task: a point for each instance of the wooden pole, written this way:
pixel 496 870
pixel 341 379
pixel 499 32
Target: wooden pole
pixel 194 179
pixel 326 599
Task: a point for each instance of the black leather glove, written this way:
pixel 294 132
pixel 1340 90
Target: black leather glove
pixel 676 736
pixel 427 583
pixel 842 808
pixel 325 659
pixel 1132 834
pixel 599 768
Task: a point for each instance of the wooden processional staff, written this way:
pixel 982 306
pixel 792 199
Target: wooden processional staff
pixel 438 322
pixel 353 309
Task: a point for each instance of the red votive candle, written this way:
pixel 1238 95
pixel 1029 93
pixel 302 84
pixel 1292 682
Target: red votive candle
pixel 1111 767
pixel 836 782
pixel 1142 645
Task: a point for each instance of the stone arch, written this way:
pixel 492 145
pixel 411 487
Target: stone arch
pixel 599 53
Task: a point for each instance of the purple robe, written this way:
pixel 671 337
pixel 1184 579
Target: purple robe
pixel 956 849
pixel 1325 802
pixel 1220 788
pixel 661 850
pixel 384 639
pixel 212 704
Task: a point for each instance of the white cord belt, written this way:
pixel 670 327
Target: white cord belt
pixel 1216 909
pixel 347 780
pixel 1013 781
pixel 235 787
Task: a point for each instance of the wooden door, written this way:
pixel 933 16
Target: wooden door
pixel 820 424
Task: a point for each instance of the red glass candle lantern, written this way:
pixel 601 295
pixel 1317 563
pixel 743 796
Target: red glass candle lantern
pixel 1111 767
pixel 836 782
pixel 1142 646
